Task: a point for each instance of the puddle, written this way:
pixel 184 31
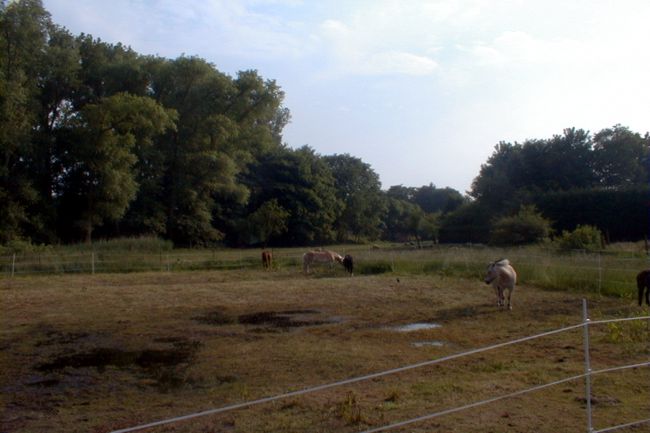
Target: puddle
pixel 287 319
pixel 428 344
pixel 416 327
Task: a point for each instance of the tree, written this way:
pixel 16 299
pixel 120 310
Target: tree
pixel 620 155
pixel 99 181
pixel 359 189
pixel 433 200
pixel 269 220
pixel 24 29
pixel 303 185
pixel 402 220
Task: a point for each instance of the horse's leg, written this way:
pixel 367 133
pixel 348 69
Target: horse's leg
pixel 641 289
pixel 647 294
pixel 496 293
pixel 501 303
pixel 510 298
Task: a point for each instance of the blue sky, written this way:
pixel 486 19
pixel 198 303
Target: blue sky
pixel 420 90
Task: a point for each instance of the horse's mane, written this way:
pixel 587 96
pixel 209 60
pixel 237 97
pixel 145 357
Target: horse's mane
pixel 502 262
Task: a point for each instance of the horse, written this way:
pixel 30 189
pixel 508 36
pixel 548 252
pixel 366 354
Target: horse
pixel 267 259
pixel 502 276
pixel 312 257
pixel 643 284
pixel 348 264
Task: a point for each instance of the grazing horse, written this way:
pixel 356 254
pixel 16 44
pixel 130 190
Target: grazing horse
pixel 643 284
pixel 502 276
pixel 348 264
pixel 267 259
pixel 312 257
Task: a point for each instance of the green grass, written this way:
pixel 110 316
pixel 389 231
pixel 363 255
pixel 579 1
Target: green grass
pixel 610 273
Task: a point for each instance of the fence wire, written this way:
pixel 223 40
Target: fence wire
pixel 406 368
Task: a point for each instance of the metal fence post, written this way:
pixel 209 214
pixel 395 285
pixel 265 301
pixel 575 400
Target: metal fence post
pixel 585 321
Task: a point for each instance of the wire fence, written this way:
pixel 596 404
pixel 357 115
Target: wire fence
pixel 587 375
pixel 608 274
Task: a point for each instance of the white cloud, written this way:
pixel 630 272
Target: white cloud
pixel 350 53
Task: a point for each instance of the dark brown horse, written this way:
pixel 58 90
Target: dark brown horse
pixel 267 259
pixel 348 263
pixel 643 284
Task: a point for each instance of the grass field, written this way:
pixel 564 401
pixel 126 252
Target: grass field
pixel 96 353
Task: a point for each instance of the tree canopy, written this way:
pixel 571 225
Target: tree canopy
pixel 97 140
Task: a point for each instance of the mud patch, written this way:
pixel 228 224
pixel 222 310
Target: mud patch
pixel 456 313
pixel 599 400
pixel 215 318
pixel 57 338
pixel 286 319
pixel 101 358
pixel 164 367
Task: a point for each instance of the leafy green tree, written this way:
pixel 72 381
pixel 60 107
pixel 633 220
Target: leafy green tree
pixel 269 220
pixel 433 200
pixel 401 192
pixel 303 185
pixel 402 220
pixel 99 181
pixel 526 227
pixel 359 189
pixel 517 172
pixel 620 157
pixel 470 223
pixel 196 161
pixel 23 36
pixel 429 227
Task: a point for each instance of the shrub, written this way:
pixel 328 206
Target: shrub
pixel 528 226
pixel 586 237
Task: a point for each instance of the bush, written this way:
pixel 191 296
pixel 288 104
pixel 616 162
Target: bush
pixel 528 226
pixel 588 238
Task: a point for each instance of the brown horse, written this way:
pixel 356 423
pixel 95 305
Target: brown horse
pixel 267 259
pixel 643 284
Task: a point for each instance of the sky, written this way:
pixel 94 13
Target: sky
pixel 422 91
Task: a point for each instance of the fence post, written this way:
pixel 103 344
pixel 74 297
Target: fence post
pixel 585 321
pixel 92 266
pixel 13 265
pixel 600 273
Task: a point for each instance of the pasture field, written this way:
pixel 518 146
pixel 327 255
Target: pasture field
pixel 96 353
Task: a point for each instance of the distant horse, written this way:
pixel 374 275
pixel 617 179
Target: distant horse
pixel 348 264
pixel 643 284
pixel 313 257
pixel 267 259
pixel 502 276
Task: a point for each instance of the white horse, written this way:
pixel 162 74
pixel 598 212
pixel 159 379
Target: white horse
pixel 313 257
pixel 502 276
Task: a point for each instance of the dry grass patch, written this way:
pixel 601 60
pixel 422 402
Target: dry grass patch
pixel 97 353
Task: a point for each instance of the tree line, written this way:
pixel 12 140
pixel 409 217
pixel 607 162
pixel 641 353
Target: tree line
pixel 98 141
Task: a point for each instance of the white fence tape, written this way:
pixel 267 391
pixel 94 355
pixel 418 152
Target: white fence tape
pixel 410 367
